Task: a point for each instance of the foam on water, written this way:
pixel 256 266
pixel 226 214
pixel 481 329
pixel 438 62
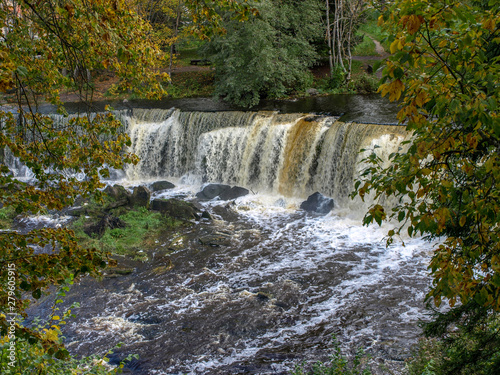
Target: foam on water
pixel 326 271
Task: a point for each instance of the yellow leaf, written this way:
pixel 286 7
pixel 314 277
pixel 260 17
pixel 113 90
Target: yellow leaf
pixel 394 46
pixel 443 43
pixel 489 24
pixel 462 221
pixel 380 21
pixel 413 24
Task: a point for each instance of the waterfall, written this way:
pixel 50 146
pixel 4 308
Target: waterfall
pixel 289 154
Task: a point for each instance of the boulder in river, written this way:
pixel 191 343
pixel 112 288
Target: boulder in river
pixel 224 192
pixel 116 192
pixel 176 208
pixel 211 191
pixel 318 203
pixel 141 196
pixel 233 193
pixel 161 185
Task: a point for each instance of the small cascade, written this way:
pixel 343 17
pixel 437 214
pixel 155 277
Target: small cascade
pixel 293 154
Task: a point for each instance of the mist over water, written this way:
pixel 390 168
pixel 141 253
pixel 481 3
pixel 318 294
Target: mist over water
pixel 281 281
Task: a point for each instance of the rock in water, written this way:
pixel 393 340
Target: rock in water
pixel 318 203
pixel 117 192
pixel 233 193
pixel 211 191
pixel 176 208
pixel 141 196
pixel 161 185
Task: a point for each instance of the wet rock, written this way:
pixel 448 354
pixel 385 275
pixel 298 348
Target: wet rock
pixel 117 192
pixel 176 208
pixel 215 240
pixel 117 272
pixel 233 193
pixel 211 191
pixel 76 211
pixel 141 196
pixel 318 203
pixel 261 296
pixel 206 215
pixel 106 222
pixel 226 213
pixel 161 185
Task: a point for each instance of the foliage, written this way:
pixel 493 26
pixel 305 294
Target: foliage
pixel 48 46
pixel 342 20
pixel 446 70
pixel 162 16
pixel 473 347
pixel 209 15
pixel 445 180
pixel 268 55
pixel 364 83
pixel 372 28
pixel 366 47
pixel 338 365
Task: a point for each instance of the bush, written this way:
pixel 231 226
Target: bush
pixel 470 347
pixel 364 84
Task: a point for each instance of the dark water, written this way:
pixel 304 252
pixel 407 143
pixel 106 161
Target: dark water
pixel 371 108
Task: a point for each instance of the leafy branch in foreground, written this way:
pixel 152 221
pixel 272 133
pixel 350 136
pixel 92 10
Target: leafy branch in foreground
pixel 46 47
pixel 445 69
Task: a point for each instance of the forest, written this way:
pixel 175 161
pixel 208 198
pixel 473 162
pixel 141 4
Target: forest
pixel 440 62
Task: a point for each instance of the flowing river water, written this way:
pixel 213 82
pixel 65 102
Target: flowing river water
pixel 281 281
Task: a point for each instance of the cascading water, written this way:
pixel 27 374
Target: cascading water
pixel 282 281
pixel 293 155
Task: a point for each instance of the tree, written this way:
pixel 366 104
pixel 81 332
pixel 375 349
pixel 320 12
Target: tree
pixel 268 54
pixel 340 32
pixel 445 70
pixel 47 46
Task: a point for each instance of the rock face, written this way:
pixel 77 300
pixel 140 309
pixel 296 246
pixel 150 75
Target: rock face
pixel 141 196
pixel 318 203
pixel 176 208
pixel 224 192
pixel 161 185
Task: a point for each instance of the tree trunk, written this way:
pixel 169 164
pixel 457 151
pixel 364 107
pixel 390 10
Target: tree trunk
pixel 329 37
pixel 176 31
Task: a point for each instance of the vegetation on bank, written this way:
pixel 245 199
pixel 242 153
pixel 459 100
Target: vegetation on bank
pixel 339 364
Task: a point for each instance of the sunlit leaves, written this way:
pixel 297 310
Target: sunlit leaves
pixel 47 47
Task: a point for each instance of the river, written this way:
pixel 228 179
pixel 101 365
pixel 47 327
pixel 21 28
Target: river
pixel 282 281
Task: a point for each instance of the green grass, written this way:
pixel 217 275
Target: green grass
pixel 371 28
pixel 139 234
pixel 184 56
pixel 365 48
pixel 191 84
